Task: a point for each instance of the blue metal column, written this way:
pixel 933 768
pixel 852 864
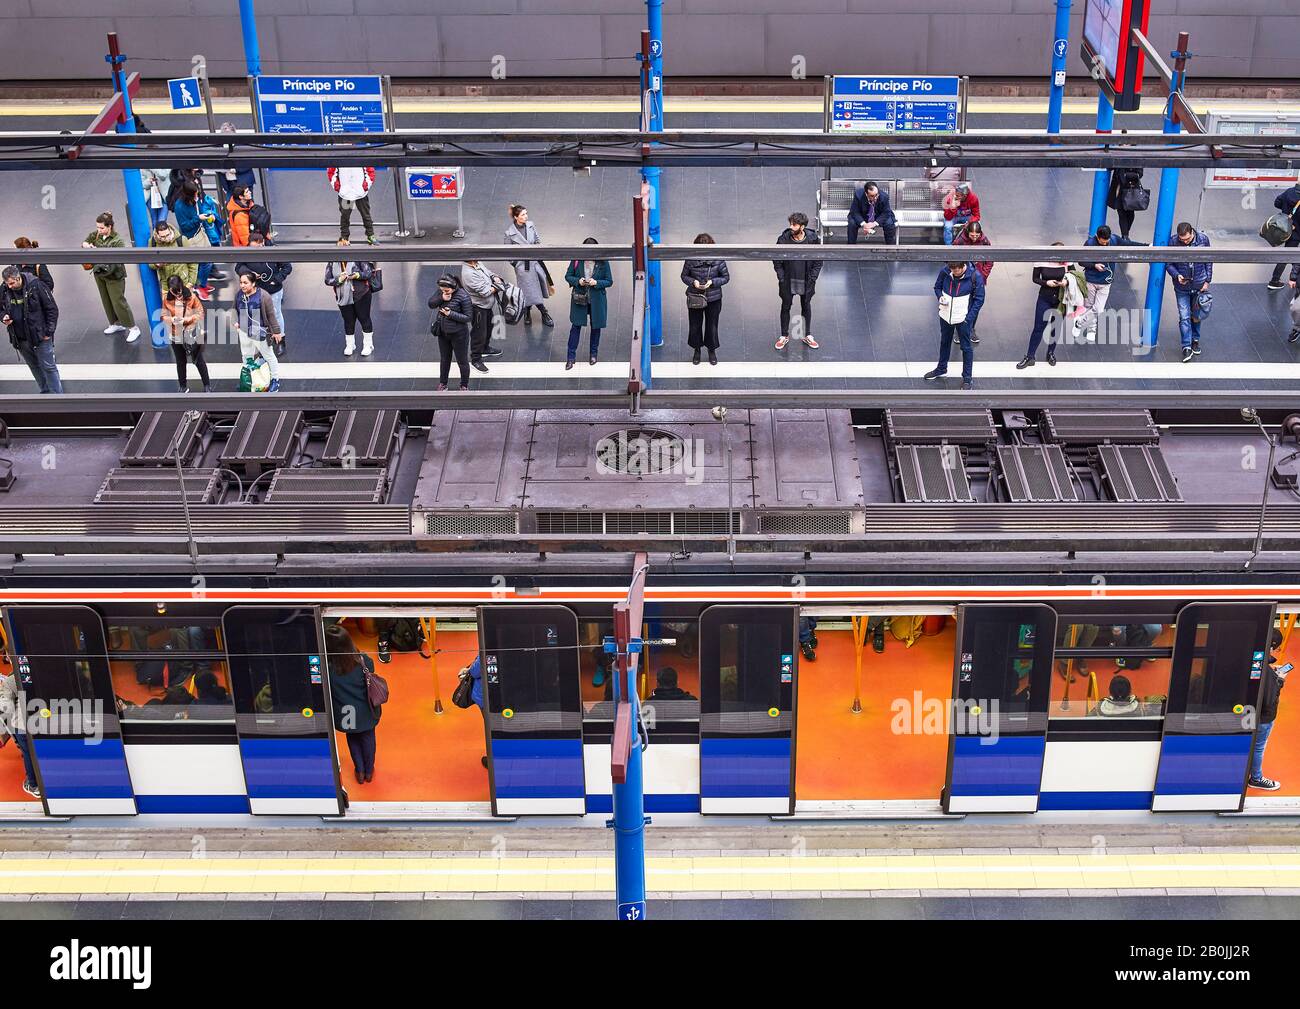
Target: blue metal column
pixel 136 209
pixel 1164 214
pixel 1060 47
pixel 1101 180
pixel 654 292
pixel 248 25
pixel 629 813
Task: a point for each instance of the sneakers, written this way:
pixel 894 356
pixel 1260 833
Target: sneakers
pixel 1196 347
pixel 217 275
pixel 1267 784
pixel 371 240
pixel 493 352
pixel 31 789
pixel 349 345
pixel 133 334
pixel 204 293
pixel 967 385
pixel 1294 335
pixel 1051 358
pixel 808 341
pixel 114 328
pixel 1276 285
pixel 975 340
pixel 782 342
pixel 442 387
pixel 1188 354
pixel 274 386
pixel 807 649
pixel 938 373
pixel 479 366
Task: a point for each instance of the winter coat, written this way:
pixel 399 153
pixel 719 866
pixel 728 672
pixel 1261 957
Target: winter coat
pixel 244 219
pixel 477 282
pixel 1196 274
pixel 985 267
pixel 255 315
pixel 812 268
pixel 40 271
pixel 1289 204
pixel 595 314
pixel 702 270
pixel 184 318
pixel 37 307
pixel 351 183
pixel 861 208
pixel 969 208
pixel 360 287
pixel 966 291
pixel 1107 274
pixel 107 271
pixel 530 275
pixel 351 703
pixel 270 276
pixel 455 324
pixel 188 272
pixel 190 219
pixel 156 182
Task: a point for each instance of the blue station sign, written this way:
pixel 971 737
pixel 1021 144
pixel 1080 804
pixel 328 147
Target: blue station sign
pixel 320 104
pixel 899 104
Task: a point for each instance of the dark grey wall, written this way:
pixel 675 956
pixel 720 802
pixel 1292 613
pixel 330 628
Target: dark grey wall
pixel 573 38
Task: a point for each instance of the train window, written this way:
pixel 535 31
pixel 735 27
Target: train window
pixel 169 671
pixel 148 636
pixel 1112 669
pixel 753 649
pixel 275 670
pixel 669 680
pixel 530 669
pixel 1004 661
pixel 57 655
pixel 1217 683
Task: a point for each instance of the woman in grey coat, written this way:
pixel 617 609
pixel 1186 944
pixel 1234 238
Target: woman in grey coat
pixel 531 275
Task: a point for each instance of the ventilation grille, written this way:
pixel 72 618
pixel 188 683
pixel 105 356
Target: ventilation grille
pixel 807 522
pixel 1036 473
pixel 159 486
pixel 328 486
pixel 1137 473
pixel 1098 427
pixel 158 434
pixel 470 523
pixel 361 438
pixel 263 438
pixel 932 473
pixel 654 523
pixel 956 427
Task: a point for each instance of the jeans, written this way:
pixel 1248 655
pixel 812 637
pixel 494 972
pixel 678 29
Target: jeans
pixel 158 214
pixel 345 217
pixel 459 347
pixel 361 747
pixel 277 302
pixel 807 625
pixel 1045 314
pixel 1189 321
pixel 950 226
pixel 962 329
pixel 1257 753
pixel 204 270
pixel 805 309
pixel 575 337
pixel 40 359
pixel 24 744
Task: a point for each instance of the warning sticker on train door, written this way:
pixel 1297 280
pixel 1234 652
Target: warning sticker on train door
pixel 787 668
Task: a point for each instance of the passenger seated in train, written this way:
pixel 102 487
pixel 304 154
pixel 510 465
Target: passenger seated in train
pixel 666 688
pixel 1121 701
pixel 208 689
pixel 162 708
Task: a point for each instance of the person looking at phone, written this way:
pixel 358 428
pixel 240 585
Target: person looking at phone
pixel 1274 681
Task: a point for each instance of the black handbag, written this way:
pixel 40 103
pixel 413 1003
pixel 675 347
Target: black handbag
pixel 581 296
pixel 695 300
pixel 1134 198
pixel 463 695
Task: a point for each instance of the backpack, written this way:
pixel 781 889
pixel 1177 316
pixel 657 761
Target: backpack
pixel 405 635
pixel 510 299
pixel 1277 229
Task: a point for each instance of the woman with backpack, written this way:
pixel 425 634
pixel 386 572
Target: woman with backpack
pixel 533 278
pixel 245 216
pixel 354 285
pixel 452 312
pixel 350 670
pixel 588 303
pixel 704 279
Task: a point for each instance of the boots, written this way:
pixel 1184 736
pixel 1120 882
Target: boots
pixel 350 346
pixel 367 344
pixel 546 316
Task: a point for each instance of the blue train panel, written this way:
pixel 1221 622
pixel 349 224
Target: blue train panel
pixel 1202 772
pixel 746 775
pixel 996 775
pixel 289 775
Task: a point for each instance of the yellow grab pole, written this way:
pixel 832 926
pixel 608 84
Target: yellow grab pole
pixel 859 640
pixel 1288 625
pixel 430 625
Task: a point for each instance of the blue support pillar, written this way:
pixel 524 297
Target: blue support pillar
pixel 1060 48
pixel 137 208
pixel 629 819
pixel 1164 226
pixel 1101 180
pixel 654 290
pixel 248 25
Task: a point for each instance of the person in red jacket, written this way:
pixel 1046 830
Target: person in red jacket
pixel 352 186
pixel 959 206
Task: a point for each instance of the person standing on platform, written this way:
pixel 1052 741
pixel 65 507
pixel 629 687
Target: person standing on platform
pixel 1048 310
pixel 531 275
pixel 1126 196
pixel 973 234
pixel 183 313
pixel 476 279
pixel 350 282
pixel 231 180
pixel 869 212
pixel 704 280
pixel 196 216
pixel 156 182
pixel 959 206
pixel 588 280
pixel 270 278
pixel 28 310
pixel 797 277
pixel 452 313
pixel 1191 288
pixel 110 279
pixel 352 186
pixel 255 325
pixel 1289 204
pixel 165 237
pixel 959 289
pixel 40 271
pixel 243 216
pixel 1099 277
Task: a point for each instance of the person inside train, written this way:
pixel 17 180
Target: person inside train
pixel 1120 701
pixel 1137 636
pixel 666 688
pixel 808 638
pixel 349 697
pixel 173 704
pixel 208 689
pixel 1274 681
pixel 474 672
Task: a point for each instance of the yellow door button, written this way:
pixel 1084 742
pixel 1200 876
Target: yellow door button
pixel 774 712
pixel 307 712
pixel 1237 709
pixel 508 713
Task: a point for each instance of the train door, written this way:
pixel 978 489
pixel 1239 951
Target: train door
pixel 533 695
pixel 1220 654
pixel 1001 676
pixel 61 661
pixel 282 714
pixel 748 668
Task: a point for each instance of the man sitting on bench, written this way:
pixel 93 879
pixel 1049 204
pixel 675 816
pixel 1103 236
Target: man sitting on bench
pixel 871 211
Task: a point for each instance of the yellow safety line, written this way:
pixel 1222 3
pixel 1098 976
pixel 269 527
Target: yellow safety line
pixel 483 874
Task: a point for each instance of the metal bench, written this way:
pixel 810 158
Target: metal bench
pixel 917 202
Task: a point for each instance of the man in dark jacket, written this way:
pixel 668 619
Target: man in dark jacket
pixel 27 308
pixel 1289 204
pixel 270 278
pixel 1274 681
pixel 871 208
pixel 959 289
pixel 1099 277
pixel 1191 280
pixel 797 277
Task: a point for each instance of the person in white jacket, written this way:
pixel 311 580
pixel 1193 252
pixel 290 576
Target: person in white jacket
pixel 352 186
